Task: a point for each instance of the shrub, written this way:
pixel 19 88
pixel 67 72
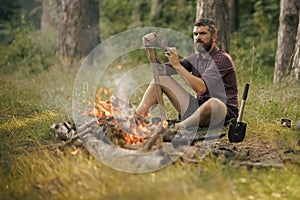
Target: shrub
pixel 20 49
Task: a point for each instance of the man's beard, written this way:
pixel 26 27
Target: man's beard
pixel 202 47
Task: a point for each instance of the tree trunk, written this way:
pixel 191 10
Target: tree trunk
pixel 50 14
pixel 216 10
pixel 79 27
pixel 295 71
pixel 287 31
pixel 155 9
pixel 136 15
pixel 49 25
pixel 233 19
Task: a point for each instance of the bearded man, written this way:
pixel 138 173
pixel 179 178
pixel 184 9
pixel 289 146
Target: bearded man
pixel 210 73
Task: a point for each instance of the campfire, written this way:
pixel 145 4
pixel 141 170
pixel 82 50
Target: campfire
pixel 122 127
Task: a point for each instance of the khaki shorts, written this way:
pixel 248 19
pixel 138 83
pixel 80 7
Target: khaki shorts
pixel 195 103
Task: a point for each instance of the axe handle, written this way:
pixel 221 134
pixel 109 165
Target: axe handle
pixel 243 103
pixel 152 58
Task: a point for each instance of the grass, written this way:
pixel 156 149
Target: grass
pixel 31 168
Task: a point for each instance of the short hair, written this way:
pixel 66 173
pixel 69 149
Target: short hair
pixel 207 22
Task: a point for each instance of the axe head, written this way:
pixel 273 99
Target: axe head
pixel 154 40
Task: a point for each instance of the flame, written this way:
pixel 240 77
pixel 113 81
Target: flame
pixel 132 139
pixel 104 110
pixel 138 130
pixel 75 152
pixel 119 67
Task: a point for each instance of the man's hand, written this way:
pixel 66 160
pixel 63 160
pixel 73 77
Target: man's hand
pixel 172 55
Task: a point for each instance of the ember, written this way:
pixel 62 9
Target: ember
pixel 75 152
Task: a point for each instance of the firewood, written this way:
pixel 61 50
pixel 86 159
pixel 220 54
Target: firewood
pixel 152 141
pixel 179 138
pixel 86 125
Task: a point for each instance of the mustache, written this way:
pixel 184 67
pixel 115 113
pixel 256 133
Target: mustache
pixel 199 41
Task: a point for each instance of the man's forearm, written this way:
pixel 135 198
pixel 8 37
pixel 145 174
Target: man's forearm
pixel 195 82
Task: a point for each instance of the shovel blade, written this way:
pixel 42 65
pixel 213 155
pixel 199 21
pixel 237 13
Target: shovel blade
pixel 237 131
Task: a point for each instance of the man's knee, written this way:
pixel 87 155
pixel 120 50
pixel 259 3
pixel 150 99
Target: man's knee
pixel 217 104
pixel 216 109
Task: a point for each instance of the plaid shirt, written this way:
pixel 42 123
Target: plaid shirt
pixel 218 73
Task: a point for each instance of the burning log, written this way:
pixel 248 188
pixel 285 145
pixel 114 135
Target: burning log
pixel 156 139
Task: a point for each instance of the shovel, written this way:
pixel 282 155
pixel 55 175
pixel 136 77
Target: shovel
pixel 237 128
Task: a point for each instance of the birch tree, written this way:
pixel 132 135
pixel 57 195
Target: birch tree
pixel 287 32
pixel 50 14
pixel 295 69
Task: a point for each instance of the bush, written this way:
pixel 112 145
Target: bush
pixel 20 49
pixel 255 42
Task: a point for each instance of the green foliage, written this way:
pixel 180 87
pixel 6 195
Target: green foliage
pixel 117 16
pixel 114 17
pixel 20 44
pixel 13 13
pixel 177 15
pixel 255 42
pixel 9 11
pixel 22 51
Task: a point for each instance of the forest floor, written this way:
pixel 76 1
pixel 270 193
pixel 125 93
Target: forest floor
pixel 266 165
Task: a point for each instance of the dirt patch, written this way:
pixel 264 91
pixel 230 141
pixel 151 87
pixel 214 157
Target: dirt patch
pixel 255 153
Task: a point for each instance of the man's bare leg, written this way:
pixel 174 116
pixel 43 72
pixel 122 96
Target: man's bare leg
pixel 178 96
pixel 210 113
pixel 149 99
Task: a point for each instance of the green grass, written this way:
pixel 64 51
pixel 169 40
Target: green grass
pixel 32 168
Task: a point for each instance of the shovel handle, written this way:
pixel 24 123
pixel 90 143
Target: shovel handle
pixel 245 94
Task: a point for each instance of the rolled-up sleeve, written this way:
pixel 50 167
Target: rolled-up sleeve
pixel 212 78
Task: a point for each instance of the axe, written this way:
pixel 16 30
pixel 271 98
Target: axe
pixel 237 128
pixel 150 41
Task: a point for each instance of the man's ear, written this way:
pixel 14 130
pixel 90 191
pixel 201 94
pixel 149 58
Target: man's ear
pixel 214 37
